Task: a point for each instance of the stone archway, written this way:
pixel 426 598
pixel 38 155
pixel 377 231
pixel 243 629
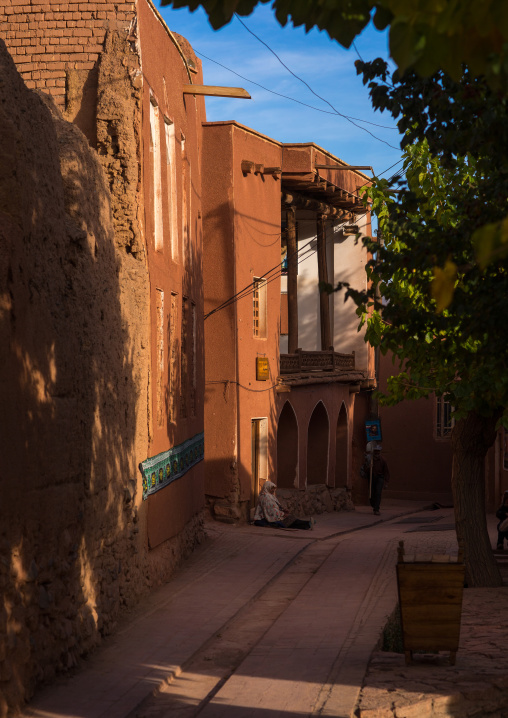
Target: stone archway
pixel 317 446
pixel 341 448
pixel 287 448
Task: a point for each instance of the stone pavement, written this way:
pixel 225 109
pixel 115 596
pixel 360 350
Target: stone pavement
pixel 258 622
pixel 477 685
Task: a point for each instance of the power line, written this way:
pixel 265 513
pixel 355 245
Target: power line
pixel 390 167
pixel 286 97
pixel 276 271
pixel 246 290
pixel 356 50
pixel 346 117
pixel 229 381
pixel 328 112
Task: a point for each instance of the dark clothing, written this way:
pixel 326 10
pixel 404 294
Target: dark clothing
pixel 380 476
pixel 376 492
pixel 502 514
pixel 293 523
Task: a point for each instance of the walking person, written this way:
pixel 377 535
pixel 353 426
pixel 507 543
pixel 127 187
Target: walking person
pixel 379 478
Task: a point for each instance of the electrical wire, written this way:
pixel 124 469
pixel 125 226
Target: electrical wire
pixel 286 97
pixel 272 274
pixel 266 277
pixel 390 167
pixel 346 117
pixel 229 381
pixel 356 50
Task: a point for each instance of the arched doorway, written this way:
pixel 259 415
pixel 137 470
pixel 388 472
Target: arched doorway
pixel 341 447
pixel 317 446
pixel 287 448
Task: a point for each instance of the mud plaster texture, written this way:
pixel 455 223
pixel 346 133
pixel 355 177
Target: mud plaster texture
pixel 74 351
pixel 476 686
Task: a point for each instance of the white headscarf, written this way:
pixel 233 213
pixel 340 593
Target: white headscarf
pixel 268 507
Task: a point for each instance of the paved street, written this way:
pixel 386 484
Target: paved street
pixel 258 622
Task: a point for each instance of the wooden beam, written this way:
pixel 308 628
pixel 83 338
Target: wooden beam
pixel 294 199
pixel 247 167
pixel 292 253
pixel 324 298
pixel 343 167
pixel 276 172
pixel 215 91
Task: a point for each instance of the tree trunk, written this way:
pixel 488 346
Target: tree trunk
pixel 471 439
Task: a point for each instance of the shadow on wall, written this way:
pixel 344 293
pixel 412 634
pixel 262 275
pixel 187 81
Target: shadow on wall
pixel 71 379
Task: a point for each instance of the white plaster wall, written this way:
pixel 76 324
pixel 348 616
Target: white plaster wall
pixel 345 261
pixel 309 332
pixel 349 262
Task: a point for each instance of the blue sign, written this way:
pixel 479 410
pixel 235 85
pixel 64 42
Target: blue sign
pixel 373 429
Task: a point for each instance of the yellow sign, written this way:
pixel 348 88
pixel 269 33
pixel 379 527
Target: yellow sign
pixel 262 369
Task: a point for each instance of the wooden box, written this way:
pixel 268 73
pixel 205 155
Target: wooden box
pixel 430 598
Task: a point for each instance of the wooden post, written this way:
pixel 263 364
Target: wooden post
pixel 292 255
pixel 324 297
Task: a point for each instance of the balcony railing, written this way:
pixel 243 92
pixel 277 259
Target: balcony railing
pixel 304 361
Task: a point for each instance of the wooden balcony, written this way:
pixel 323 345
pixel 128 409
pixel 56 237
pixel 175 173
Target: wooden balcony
pixel 303 361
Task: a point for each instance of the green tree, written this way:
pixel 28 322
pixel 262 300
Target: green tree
pixel 442 310
pixel 425 35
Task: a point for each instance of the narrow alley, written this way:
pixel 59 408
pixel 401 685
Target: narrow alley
pixel 259 622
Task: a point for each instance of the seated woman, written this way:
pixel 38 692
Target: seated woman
pixel 502 514
pixel 270 513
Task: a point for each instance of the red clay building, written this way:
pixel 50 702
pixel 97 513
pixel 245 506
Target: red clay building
pixel 279 400
pixel 103 367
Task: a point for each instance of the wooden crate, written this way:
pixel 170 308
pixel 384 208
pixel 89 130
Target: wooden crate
pixel 430 598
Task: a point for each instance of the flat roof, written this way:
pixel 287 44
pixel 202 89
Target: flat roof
pixel 284 144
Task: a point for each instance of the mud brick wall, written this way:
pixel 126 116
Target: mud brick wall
pixel 74 352
pixel 47 39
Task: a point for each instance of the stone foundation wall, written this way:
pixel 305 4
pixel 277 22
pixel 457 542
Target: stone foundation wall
pixel 315 499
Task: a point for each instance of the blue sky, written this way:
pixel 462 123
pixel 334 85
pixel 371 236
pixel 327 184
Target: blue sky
pixel 324 64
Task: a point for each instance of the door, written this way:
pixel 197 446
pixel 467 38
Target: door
pixel 259 457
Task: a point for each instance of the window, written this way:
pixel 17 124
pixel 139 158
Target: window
pixel 259 469
pixel 259 307
pixel 444 420
pixel 184 358
pixel 186 190
pixel 193 360
pixel 173 357
pixel 169 128
pixel 160 356
pixel 155 149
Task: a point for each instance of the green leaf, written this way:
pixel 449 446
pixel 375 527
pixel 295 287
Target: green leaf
pixel 491 242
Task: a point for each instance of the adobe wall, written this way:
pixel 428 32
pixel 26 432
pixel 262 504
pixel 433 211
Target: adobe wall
pixel 420 464
pixel 242 214
pixel 257 229
pixel 56 47
pixel 175 267
pixel 75 357
pixel 221 391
